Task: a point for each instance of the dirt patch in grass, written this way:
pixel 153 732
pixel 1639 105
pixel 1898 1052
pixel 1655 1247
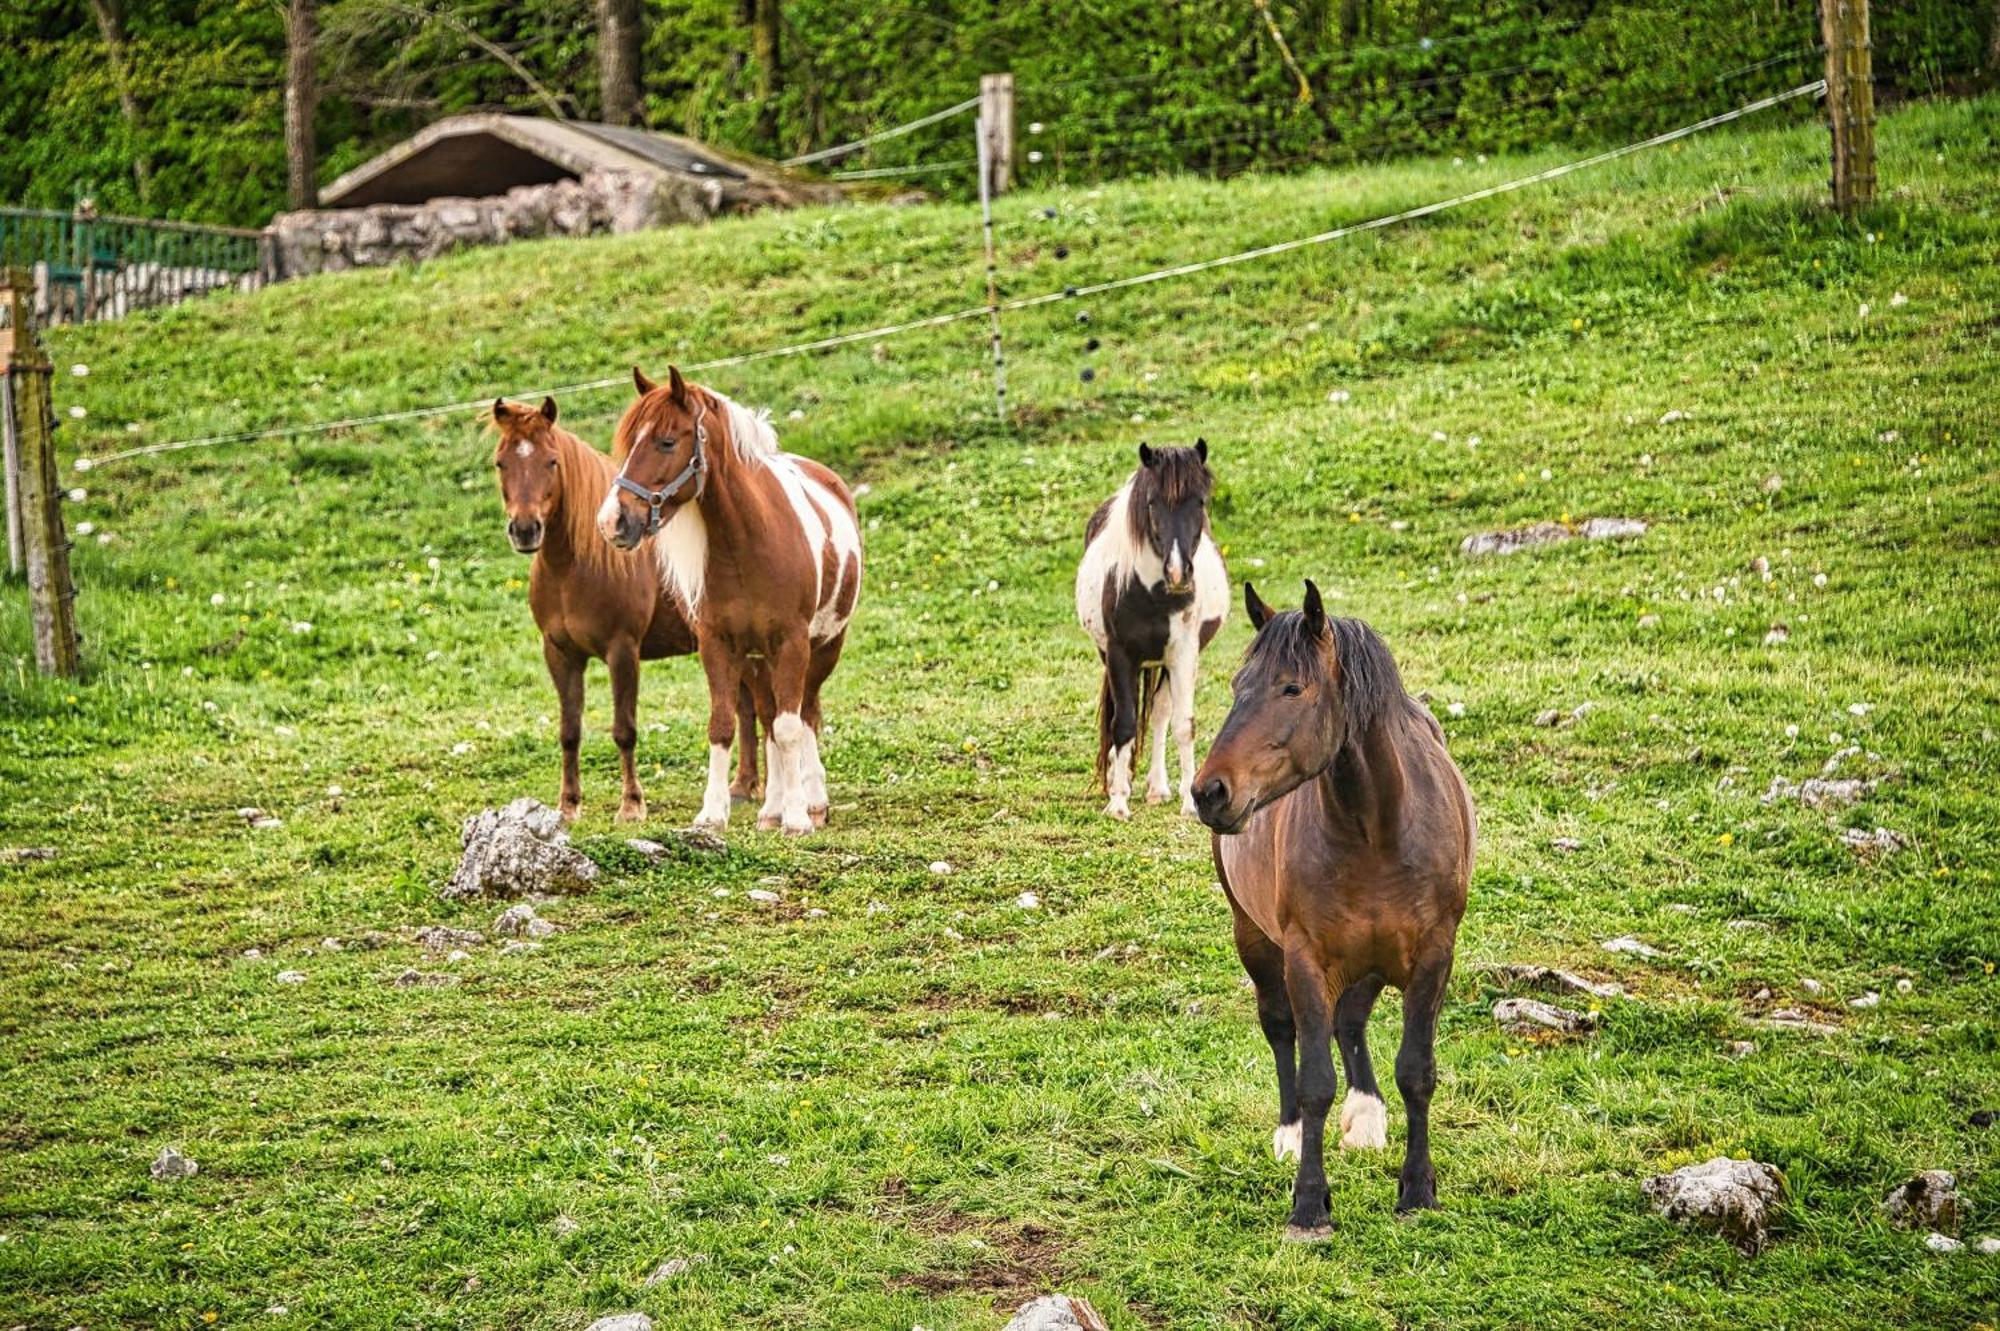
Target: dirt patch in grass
pixel 1017 1260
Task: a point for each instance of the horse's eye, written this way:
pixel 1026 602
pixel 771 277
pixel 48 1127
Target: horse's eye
pixel 666 443
pixel 1292 690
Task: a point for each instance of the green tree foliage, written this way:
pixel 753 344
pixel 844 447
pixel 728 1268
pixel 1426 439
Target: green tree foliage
pixel 1119 85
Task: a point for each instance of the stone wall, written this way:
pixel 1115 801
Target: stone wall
pixel 330 239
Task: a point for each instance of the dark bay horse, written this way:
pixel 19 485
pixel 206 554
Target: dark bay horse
pixel 588 599
pixel 1151 591
pixel 1344 838
pixel 764 552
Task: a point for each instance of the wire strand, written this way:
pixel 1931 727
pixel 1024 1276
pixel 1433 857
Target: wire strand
pixel 908 127
pixel 1815 88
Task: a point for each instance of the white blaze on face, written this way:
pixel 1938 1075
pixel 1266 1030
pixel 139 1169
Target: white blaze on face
pixel 1176 565
pixel 607 516
pixel 523 449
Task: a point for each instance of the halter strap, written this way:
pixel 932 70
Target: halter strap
pixel 695 472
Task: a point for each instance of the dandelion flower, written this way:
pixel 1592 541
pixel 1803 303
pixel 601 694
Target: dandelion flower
pixel 78 412
pixel 79 371
pixel 218 599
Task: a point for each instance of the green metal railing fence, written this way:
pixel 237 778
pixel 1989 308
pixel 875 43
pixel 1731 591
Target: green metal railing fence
pixel 88 267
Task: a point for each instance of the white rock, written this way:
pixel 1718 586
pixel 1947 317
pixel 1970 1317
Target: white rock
pixel 1812 986
pixel 171 1164
pixel 673 1266
pixel 290 977
pixel 1627 945
pixel 1056 1312
pixel 1942 1243
pixel 540 928
pixel 1988 1245
pixel 1675 415
pixel 763 896
pixel 514 921
pixel 815 914
pixel 1531 1016
pixel 622 1322
pixel 1867 1000
pixel 1928 1200
pixel 940 866
pixel 518 851
pixel 1027 901
pixel 1731 1197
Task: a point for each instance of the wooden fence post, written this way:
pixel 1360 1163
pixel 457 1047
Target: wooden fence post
pixel 10 470
pixel 1850 101
pixel 996 128
pixel 51 596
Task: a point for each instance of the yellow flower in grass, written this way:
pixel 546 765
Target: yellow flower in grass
pixel 1726 839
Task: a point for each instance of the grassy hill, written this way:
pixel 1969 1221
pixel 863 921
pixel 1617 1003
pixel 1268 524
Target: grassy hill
pixel 930 1102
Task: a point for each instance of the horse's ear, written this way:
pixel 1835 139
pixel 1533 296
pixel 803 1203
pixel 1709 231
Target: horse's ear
pixel 679 385
pixel 500 409
pixel 1314 610
pixel 641 382
pixel 1201 449
pixel 1253 605
pixel 549 410
pixel 1146 456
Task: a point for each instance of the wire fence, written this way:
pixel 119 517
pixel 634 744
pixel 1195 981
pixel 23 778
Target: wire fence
pixel 993 306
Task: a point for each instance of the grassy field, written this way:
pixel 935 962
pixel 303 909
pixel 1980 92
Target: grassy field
pixel 930 1103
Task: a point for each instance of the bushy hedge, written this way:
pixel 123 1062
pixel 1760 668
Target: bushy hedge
pixel 1117 85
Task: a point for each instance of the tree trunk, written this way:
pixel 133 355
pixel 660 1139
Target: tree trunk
pixel 111 23
pixel 1993 46
pixel 301 102
pixel 769 54
pixel 619 44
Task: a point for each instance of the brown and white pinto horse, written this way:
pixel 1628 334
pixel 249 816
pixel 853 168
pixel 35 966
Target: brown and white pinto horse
pixel 1344 838
pixel 588 599
pixel 764 552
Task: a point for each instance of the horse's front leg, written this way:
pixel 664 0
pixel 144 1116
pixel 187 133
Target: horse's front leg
pixel 1180 691
pixel 1158 791
pixel 1123 736
pixel 784 783
pixel 566 672
pixel 1312 1015
pixel 744 787
pixel 724 677
pixel 1416 1078
pixel 622 660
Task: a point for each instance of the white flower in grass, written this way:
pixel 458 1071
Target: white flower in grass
pixel 82 464
pixel 1339 395
pixel 85 528
pixel 1028 901
pixel 79 371
pixel 104 538
pixel 78 495
pixel 77 412
pixel 1898 300
pixel 302 626
pixel 460 749
pixel 218 599
pixel 1455 708
pixel 1864 309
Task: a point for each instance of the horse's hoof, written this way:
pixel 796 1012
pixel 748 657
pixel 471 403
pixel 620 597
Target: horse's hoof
pixel 1119 811
pixel 767 822
pixel 799 829
pixel 632 813
pixel 1308 1233
pixel 570 812
pixel 1407 1206
pixel 1160 796
pixel 708 822
pixel 1188 810
pixel 817 815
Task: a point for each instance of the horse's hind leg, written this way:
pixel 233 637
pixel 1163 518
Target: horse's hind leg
pixel 566 672
pixel 824 657
pixel 1364 1123
pixel 1312 1014
pixel 623 662
pixel 1266 964
pixel 1416 1078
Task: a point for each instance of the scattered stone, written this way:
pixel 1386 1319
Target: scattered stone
pixel 1742 1048
pixel 564 1226
pixel 443 938
pixel 1733 1198
pixel 518 851
pixel 1942 1243
pixel 815 914
pixel 652 850
pixel 514 921
pixel 414 979
pixel 1812 986
pixel 673 1266
pixel 516 947
pixel 1649 621
pixel 1819 792
pixel 1989 1245
pixel 1791 1019
pixel 940 867
pixel 1747 924
pixel 171 1164
pixel 1867 1000
pixel 540 928
pixel 1531 1016
pixel 456 955
pixel 1675 415
pixel 1057 1312
pixel 1761 996
pixel 290 977
pixel 253 954
pixel 1928 1201
pixel 1613 529
pixel 1548 719
pixel 1556 981
pixel 622 1322
pixel 1868 844
pixel 368 940
pixel 23 854
pixel 1027 901
pixel 763 896
pixel 1568 845
pixel 1627 945
pixel 332 944
pixel 701 840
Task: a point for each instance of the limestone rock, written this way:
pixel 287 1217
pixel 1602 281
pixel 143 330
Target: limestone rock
pixel 518 851
pixel 1927 1201
pixel 622 1322
pixel 1557 981
pixel 1531 1016
pixel 171 1164
pixel 1057 1312
pixel 1732 1198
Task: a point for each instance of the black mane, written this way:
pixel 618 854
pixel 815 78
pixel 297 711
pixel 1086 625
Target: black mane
pixel 1370 685
pixel 1175 476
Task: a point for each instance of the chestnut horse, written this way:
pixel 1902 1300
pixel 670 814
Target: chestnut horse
pixel 589 600
pixel 1151 591
pixel 764 553
pixel 1344 838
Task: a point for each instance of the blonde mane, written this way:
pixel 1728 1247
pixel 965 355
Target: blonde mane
pixel 750 430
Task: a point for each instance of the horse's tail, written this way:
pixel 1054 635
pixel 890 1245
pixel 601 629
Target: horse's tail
pixel 1150 679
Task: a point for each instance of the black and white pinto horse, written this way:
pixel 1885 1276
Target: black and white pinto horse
pixel 1151 591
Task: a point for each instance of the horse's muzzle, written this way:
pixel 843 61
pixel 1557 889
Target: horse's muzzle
pixel 626 529
pixel 525 537
pixel 1212 804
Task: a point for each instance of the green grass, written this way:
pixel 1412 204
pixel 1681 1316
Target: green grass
pixel 930 1103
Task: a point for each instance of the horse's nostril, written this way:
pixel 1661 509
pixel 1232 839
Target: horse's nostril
pixel 1212 793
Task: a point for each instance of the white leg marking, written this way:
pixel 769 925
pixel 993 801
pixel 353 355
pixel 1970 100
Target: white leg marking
pixel 1181 681
pixel 1118 782
pixel 813 769
pixel 787 734
pixel 1287 1140
pixel 715 799
pixel 1364 1122
pixel 774 784
pixel 1157 789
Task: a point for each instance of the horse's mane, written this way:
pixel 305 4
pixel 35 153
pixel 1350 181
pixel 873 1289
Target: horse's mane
pixel 586 479
pixel 1177 475
pixel 750 430
pixel 1371 686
